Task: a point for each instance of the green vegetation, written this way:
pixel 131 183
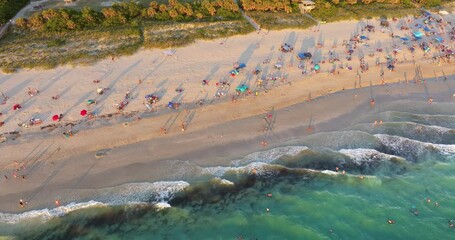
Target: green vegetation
pixel 61 20
pixel 9 8
pixel 180 34
pixel 61 36
pixel 271 14
pixel 281 20
pixel 330 12
pixel 28 49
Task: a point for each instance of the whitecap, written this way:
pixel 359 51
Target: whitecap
pixel 361 155
pixel 271 155
pixel 157 193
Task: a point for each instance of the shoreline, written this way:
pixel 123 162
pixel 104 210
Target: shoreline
pixel 160 167
pixel 215 133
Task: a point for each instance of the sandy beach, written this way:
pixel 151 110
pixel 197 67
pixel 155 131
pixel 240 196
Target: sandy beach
pixel 217 127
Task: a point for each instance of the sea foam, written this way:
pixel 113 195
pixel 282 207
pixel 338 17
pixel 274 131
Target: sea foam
pixel 157 193
pixel 361 155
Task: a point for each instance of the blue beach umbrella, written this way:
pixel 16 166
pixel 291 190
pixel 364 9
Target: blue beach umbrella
pixel 439 39
pixel 417 34
pixel 363 37
pixel 404 39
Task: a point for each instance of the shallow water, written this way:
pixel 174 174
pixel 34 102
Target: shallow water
pixel 394 170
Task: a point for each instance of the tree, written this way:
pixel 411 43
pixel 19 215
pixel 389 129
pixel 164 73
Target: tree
pixel 199 15
pixel 36 22
pixel 173 13
pixel 49 14
pixel 154 5
pixel 22 22
pixel 163 8
pixel 151 12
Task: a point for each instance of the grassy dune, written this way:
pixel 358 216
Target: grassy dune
pixel 48 50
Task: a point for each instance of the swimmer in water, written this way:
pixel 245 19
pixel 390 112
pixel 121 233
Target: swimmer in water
pixel 390 221
pixel 414 211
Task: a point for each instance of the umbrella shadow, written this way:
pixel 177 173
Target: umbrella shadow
pixel 189 118
pixel 212 72
pixel 113 82
pixel 246 55
pixel 307 43
pixel 78 102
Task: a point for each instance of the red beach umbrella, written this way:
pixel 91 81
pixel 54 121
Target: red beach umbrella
pixel 17 106
pixel 83 112
pixel 55 118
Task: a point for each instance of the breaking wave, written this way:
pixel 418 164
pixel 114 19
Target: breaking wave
pixel 157 194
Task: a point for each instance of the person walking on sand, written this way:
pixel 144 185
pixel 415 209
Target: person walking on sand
pixel 182 124
pixel 22 203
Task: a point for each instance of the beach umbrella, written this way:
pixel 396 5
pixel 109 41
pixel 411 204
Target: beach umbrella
pixel 17 106
pixel 242 65
pixel 426 29
pixel 404 38
pixel 55 118
pixel 417 34
pixel 439 39
pixel 83 112
pixel 316 67
pixel 170 105
pixel 363 37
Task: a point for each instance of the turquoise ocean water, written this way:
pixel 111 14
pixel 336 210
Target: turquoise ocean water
pixel 402 170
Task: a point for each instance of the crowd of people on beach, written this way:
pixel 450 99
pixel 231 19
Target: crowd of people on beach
pixel 436 43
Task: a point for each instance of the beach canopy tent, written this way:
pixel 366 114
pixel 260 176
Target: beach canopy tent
pixel 242 88
pixel 417 34
pixel 305 55
pixel 83 112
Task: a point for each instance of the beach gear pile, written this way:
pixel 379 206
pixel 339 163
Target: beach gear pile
pixel 234 72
